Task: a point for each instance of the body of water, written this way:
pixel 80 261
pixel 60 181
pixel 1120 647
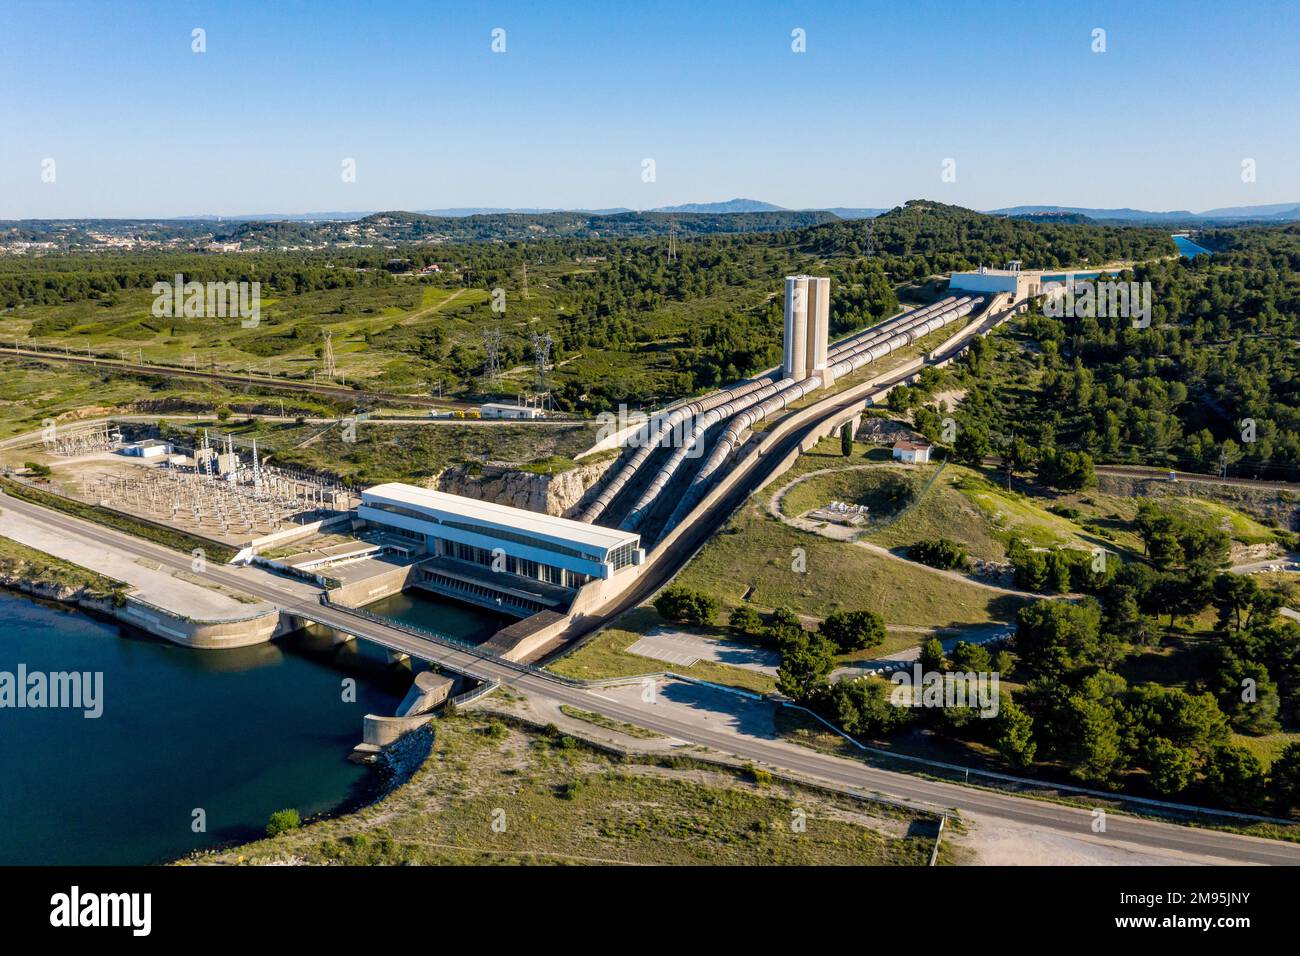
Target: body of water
pixel 236 733
pixel 1189 249
pixel 433 612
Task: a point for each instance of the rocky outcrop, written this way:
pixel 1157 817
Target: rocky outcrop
pixel 559 494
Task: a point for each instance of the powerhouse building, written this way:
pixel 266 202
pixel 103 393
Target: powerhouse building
pixel 498 538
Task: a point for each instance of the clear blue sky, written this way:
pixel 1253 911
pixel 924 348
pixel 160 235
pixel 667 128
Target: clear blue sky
pixel 139 125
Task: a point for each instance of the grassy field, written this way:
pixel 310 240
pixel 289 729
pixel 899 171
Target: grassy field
pixel 756 551
pixel 555 801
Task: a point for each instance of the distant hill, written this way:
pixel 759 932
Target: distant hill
pixel 1143 215
pixel 1278 210
pixel 850 212
pixel 1282 212
pixel 730 206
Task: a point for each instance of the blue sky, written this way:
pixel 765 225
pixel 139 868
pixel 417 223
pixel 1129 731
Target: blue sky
pixel 139 125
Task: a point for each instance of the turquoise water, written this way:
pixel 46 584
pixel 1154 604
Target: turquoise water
pixel 238 733
pixel 1188 248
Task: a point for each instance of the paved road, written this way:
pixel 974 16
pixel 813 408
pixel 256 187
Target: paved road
pixel 293 595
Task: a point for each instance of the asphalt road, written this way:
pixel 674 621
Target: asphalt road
pixel 1231 848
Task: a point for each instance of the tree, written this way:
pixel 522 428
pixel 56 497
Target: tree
pixel 746 620
pixel 1067 470
pixel 846 439
pixel 1018 456
pixel 1169 766
pixel 1091 742
pixel 971 446
pixel 931 659
pixel 1246 694
pixel 971 658
pixel 1053 637
pixel 853 630
pixel 940 553
pixel 687 606
pixel 1014 734
pixel 784 625
pixel 1234 775
pixel 806 663
pixel 862 708
pixel 1284 776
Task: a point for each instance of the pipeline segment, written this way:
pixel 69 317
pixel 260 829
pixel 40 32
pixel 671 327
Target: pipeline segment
pixel 900 337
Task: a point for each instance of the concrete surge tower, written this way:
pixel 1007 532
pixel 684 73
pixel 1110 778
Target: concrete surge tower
pixel 807 326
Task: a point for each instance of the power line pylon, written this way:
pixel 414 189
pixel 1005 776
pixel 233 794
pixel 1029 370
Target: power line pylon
pixel 327 354
pixel 525 290
pixel 672 241
pixel 492 347
pixel 541 358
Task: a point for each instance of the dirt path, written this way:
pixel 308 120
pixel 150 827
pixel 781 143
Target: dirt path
pixel 432 309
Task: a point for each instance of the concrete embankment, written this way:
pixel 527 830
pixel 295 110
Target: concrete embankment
pixel 158 600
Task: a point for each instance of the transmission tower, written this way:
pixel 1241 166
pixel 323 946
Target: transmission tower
pixel 871 239
pixel 327 354
pixel 541 358
pixel 525 279
pixel 672 241
pixel 492 347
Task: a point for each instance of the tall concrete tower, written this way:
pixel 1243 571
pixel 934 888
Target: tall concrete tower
pixel 807 326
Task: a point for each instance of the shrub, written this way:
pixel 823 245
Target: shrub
pixel 283 821
pixel 941 553
pixel 746 620
pixel 686 606
pixel 853 630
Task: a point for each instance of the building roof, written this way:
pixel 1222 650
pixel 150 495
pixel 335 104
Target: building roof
pixel 904 445
pixel 504 516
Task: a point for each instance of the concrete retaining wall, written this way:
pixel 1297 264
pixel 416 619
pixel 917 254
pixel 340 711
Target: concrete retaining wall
pixel 380 731
pixel 360 593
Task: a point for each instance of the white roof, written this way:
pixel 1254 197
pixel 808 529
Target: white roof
pixel 504 516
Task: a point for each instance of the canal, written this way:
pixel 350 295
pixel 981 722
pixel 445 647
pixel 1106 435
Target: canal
pixel 236 734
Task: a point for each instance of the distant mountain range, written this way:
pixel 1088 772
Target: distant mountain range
pixel 1276 212
pixel 1273 212
pixel 727 207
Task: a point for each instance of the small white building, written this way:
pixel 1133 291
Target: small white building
pixel 502 410
pixel 149 448
pixel 912 452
